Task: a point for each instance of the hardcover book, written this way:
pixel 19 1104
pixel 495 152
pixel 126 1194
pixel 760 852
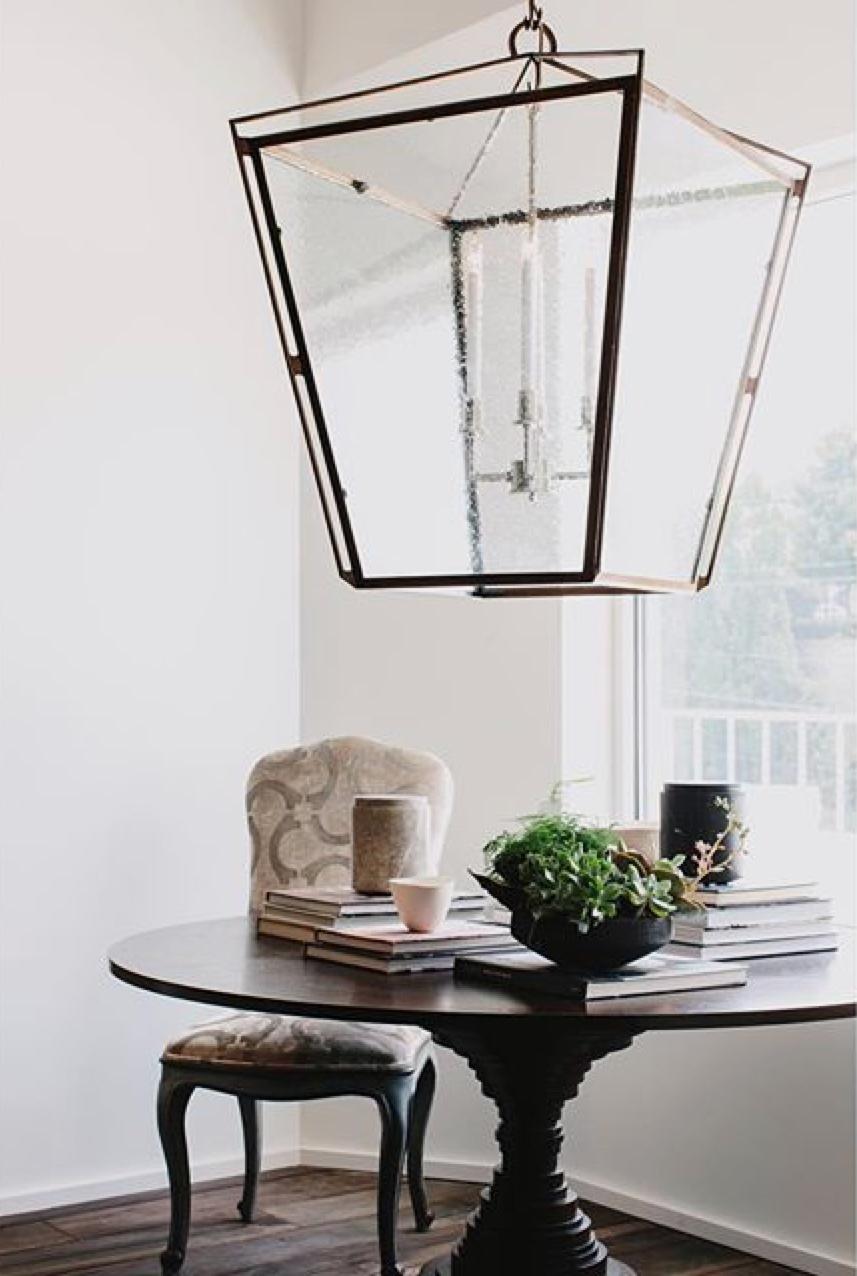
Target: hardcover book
pixel 744 892
pixel 761 947
pixel 798 911
pixel 725 936
pixel 658 973
pixel 393 940
pixel 404 964
pixel 343 902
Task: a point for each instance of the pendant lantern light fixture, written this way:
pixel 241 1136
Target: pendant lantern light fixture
pixel 524 306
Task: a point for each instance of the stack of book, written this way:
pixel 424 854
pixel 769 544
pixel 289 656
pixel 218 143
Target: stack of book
pixel 657 974
pixel 391 949
pixel 299 914
pixel 755 919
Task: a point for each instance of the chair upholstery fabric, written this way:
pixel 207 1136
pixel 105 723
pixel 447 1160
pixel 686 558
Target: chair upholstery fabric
pixel 282 1043
pixel 299 808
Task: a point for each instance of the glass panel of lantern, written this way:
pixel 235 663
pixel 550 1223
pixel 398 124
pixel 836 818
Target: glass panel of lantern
pixel 434 309
pixel 710 228
pixel 448 265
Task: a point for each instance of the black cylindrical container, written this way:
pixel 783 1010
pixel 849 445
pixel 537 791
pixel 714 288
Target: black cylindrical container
pixel 690 813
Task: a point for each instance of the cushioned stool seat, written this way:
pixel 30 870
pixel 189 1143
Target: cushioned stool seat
pixel 282 1043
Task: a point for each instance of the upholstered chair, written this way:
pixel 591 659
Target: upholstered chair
pixel 299 813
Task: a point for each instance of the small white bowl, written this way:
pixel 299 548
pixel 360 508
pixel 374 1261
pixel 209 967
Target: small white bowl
pixel 422 902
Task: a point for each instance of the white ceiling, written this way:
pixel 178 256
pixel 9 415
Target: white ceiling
pixel 780 70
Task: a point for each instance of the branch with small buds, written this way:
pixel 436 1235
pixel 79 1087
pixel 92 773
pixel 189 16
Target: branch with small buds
pixel 707 853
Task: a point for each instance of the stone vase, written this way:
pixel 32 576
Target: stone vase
pixel 390 838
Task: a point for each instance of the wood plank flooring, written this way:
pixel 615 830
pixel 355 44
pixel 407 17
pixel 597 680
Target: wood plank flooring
pixel 310 1223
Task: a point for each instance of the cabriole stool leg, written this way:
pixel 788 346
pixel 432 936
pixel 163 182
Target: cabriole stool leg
pixel 173 1097
pixel 420 1111
pixel 251 1122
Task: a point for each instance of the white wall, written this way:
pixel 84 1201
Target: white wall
pixel 496 688
pixel 148 533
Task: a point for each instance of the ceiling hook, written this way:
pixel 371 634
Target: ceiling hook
pixel 534 21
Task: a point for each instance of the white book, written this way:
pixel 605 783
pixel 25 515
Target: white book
pixel 393 940
pixel 744 892
pixel 328 902
pixel 338 902
pixel 723 936
pixel 382 965
pixel 763 947
pixel 753 914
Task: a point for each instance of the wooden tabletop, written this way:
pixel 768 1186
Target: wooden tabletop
pixel 224 963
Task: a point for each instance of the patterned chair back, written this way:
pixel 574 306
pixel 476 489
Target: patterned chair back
pixel 299 807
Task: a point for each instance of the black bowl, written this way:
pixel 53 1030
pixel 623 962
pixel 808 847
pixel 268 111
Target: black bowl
pixel 607 946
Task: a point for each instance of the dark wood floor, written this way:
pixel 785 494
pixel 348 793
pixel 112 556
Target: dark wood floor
pixel 310 1223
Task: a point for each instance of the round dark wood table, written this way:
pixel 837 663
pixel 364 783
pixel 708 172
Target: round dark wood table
pixel 529 1053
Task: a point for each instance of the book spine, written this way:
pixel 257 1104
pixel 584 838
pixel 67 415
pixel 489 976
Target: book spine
pixel 754 915
pixel 721 899
pixel 763 948
pixel 750 934
pixel 367 961
pixel 344 924
pixel 280 930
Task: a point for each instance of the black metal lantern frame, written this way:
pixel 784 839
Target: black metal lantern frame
pixel 289 135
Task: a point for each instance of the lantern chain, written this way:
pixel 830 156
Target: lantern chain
pixel 530 473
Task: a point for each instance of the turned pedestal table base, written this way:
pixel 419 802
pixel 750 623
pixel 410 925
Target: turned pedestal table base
pixel 529 1220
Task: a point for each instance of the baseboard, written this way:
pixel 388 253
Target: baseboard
pixel 105 1190
pixel 708 1229
pixel 102 1191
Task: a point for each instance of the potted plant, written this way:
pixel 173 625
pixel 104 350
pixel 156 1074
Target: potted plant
pixel 581 898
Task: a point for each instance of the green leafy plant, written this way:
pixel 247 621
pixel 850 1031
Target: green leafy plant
pixel 566 866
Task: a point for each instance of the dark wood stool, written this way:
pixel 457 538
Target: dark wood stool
pixel 280 1059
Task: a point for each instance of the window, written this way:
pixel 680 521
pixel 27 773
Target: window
pixel 754 679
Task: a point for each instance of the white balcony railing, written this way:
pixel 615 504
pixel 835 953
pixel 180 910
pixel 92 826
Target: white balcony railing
pixel 769 747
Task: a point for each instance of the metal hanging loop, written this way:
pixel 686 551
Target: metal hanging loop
pixel 535 22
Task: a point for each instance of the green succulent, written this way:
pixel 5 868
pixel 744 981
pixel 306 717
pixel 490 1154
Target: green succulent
pixel 649 893
pixel 566 866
